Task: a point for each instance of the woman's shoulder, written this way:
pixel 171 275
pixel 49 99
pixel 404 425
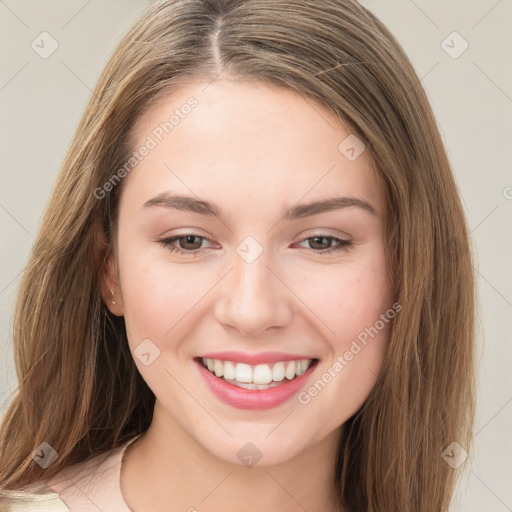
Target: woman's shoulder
pixel 93 484
pixel 37 497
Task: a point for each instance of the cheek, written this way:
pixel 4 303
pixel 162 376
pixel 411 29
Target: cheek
pixel 358 307
pixel 158 297
pixel 347 298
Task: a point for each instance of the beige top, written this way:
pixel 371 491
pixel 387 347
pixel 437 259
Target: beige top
pixel 90 486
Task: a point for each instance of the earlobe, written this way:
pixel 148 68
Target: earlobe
pixel 107 275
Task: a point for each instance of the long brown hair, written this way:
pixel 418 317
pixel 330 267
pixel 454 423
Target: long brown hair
pixel 79 389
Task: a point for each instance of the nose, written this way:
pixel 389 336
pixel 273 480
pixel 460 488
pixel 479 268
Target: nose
pixel 253 298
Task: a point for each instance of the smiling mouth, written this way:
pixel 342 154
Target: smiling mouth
pixel 257 377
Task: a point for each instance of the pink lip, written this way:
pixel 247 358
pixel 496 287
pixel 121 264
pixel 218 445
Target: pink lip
pixel 254 399
pixel 254 359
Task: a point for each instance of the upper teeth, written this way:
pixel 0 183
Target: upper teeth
pixel 259 374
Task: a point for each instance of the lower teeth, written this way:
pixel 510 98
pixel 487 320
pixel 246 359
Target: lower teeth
pixel 254 386
pixel 250 385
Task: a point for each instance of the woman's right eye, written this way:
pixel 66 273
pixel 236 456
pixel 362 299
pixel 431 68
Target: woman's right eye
pixel 170 244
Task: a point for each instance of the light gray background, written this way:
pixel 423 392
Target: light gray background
pixel 41 102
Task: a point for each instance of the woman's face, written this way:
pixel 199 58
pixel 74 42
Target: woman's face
pixel 290 302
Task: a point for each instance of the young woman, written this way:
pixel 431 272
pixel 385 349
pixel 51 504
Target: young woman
pixel 252 288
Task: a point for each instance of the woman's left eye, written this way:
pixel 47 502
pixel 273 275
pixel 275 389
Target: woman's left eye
pixel 339 244
pixel 185 241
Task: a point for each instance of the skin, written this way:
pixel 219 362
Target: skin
pixel 254 150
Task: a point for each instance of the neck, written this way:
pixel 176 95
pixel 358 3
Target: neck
pixel 166 468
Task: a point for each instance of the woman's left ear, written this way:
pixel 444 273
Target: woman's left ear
pixel 107 274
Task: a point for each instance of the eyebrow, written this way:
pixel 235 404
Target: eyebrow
pixel 192 204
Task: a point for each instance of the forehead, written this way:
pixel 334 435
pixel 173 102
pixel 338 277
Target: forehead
pixel 236 141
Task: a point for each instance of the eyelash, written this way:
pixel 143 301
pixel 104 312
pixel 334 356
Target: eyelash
pixel 343 245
